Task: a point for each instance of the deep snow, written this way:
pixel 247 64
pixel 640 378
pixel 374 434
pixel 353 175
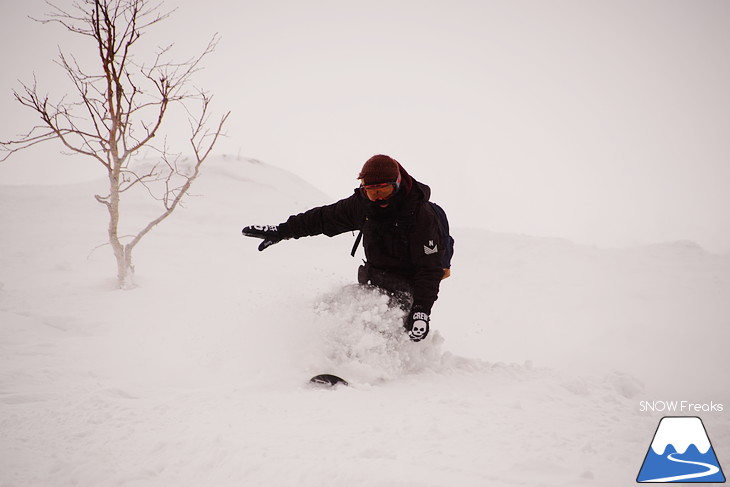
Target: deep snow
pixel 540 355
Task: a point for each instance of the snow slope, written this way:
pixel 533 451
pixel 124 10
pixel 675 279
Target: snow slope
pixel 540 353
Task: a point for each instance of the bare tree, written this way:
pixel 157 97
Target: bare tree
pixel 118 108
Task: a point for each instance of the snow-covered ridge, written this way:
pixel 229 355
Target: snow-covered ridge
pixel 539 354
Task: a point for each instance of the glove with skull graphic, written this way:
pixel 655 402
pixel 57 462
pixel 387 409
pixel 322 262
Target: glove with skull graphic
pixel 417 323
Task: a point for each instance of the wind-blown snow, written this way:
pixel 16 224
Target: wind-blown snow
pixel 539 354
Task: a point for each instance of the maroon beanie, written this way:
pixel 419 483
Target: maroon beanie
pixel 379 169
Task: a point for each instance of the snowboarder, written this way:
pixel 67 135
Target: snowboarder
pixel 400 231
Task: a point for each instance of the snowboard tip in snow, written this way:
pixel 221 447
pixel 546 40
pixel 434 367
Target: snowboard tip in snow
pixel 328 380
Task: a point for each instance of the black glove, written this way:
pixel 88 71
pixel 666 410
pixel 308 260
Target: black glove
pixel 417 323
pixel 269 233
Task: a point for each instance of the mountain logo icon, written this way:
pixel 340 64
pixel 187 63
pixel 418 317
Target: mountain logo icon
pixel 680 452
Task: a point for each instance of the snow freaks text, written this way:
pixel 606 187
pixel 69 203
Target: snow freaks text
pixel 680 407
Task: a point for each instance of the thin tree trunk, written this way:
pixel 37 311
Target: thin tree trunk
pixel 120 109
pixel 123 258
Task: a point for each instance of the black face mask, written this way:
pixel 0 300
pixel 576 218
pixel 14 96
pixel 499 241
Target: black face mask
pixel 375 208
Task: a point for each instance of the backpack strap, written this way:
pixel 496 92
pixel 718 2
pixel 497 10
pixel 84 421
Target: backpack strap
pixel 357 243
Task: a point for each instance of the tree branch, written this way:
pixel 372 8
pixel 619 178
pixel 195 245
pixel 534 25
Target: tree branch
pixel 119 107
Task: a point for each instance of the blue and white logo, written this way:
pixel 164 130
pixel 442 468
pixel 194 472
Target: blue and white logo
pixel 681 452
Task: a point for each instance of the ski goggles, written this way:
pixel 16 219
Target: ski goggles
pixel 381 190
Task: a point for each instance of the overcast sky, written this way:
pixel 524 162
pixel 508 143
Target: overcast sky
pixel 602 121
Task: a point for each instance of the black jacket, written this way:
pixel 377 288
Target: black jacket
pixel 402 239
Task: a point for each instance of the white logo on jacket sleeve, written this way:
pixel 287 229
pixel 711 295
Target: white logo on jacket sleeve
pixel 431 248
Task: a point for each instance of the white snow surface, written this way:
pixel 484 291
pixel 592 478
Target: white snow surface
pixel 540 351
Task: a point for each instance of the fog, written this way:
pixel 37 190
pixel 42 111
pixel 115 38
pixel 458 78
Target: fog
pixel 603 122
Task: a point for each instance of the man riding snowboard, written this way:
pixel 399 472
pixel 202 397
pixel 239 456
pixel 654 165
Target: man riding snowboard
pixel 401 234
